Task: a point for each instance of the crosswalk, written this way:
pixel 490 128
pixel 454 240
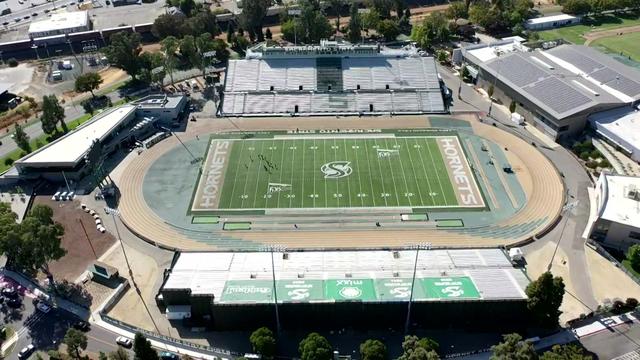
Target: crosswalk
pixel 634 355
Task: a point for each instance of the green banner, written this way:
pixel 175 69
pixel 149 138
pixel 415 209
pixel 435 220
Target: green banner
pixel 398 289
pixel 300 290
pixel 450 288
pixel 248 291
pixel 350 289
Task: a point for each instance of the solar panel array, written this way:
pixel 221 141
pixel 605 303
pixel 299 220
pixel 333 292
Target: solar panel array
pixel 617 81
pixel 517 70
pixel 557 95
pixel 577 59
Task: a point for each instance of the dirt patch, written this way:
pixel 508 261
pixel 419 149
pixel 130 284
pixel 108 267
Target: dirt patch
pixel 595 35
pixel 79 253
pixel 151 48
pixel 608 281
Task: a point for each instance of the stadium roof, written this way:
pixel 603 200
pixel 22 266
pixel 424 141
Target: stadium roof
pixel 337 79
pixel 60 21
pixel 619 206
pixel 476 274
pixel 566 80
pixel 69 149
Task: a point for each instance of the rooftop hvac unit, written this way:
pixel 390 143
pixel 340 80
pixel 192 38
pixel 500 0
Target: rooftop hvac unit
pixel 396 255
pixel 633 193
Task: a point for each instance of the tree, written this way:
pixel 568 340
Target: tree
pixel 382 7
pixel 187 7
pixel 253 14
pixel 633 254
pixel 373 350
pixel 76 341
pixel 512 347
pixel 457 10
pixel 124 52
pixel 102 356
pixel 268 34
pixel 32 244
pixel 169 47
pixel 354 28
pixel 312 22
pixel 263 342
pixel 443 56
pixel 202 22
pixel 544 299
pixel 88 82
pixel 370 19
pixel 167 24
pixel 389 29
pixel 512 106
pixel 52 114
pixel 337 5
pixel 565 352
pixel 22 139
pixel 315 347
pixel 120 354
pixel 142 348
pixel 433 30
pixel 414 348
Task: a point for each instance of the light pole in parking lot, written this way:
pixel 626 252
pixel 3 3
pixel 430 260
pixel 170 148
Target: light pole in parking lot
pixel 272 249
pixel 417 248
pixel 294 13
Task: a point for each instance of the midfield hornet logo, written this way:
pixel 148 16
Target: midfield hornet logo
pixel 336 169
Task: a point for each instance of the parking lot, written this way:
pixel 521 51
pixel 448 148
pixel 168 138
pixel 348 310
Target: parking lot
pixel 70 67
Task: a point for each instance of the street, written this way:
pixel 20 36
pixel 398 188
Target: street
pixel 611 343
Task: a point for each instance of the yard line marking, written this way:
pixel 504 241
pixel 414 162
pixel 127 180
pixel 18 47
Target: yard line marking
pixel 293 156
pixel 344 143
pixel 402 169
pixel 314 175
pixel 284 142
pixel 359 182
pixel 233 188
pixel 255 190
pixel 324 161
pixel 413 169
pixel 392 178
pixel 335 155
pixel 302 193
pixel 384 191
pixel 433 166
pixel 426 174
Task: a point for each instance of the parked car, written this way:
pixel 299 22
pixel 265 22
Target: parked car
pixel 43 307
pixel 26 351
pixel 14 303
pixel 10 292
pixel 168 356
pixel 124 341
pixel 81 325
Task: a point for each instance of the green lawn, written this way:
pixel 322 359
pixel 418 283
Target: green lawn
pixel 574 33
pixel 628 45
pixel 336 172
pixel 627 265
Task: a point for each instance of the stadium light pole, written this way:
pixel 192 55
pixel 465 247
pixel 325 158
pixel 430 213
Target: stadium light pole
pixel 565 209
pixel 271 249
pixel 294 13
pixel 425 246
pixel 195 160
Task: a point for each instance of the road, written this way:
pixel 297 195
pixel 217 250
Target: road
pixel 34 130
pixel 28 8
pixel 612 343
pixel 569 230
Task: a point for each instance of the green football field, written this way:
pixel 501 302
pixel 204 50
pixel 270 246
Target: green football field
pixel 331 172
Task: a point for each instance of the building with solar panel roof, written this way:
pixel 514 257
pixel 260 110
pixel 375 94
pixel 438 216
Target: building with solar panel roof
pixel 331 79
pixel 556 89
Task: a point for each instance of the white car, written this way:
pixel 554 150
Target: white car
pixel 43 307
pixel 26 351
pixel 56 196
pixel 124 341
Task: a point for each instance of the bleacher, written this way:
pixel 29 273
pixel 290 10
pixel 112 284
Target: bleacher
pixel 332 85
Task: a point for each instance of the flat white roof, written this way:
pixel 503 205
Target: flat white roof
pixel 620 208
pixel 551 18
pixel 60 21
pixel 491 51
pixel 69 149
pixel 623 123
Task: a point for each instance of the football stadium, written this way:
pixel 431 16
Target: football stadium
pixel 390 171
